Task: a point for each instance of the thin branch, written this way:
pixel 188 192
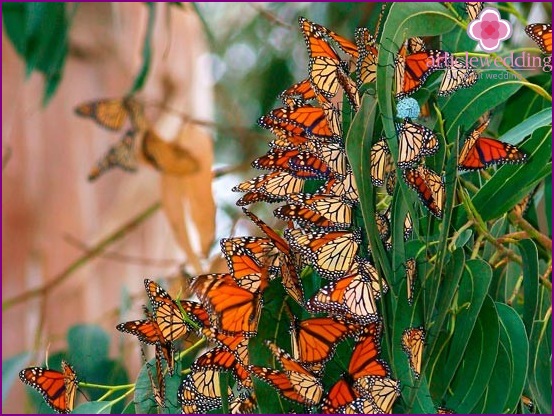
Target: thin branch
pixel 81 261
pixel 271 16
pixel 124 258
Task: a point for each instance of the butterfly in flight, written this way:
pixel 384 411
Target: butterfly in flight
pixel 479 152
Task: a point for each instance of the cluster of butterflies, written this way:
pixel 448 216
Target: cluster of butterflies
pixel 139 141
pixel 322 233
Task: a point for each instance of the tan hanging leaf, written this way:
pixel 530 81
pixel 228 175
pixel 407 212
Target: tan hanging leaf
pixel 167 157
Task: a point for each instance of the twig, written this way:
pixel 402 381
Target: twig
pixel 270 16
pixel 124 258
pixel 81 261
pixel 542 239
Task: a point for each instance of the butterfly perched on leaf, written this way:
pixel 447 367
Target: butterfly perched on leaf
pixel 317 210
pixel 381 162
pixel 473 9
pixel 314 339
pixel 328 72
pixel 415 141
pixel 353 296
pixel 330 253
pixel 414 64
pixel 269 187
pixel 200 392
pixel 57 388
pixel 366 64
pixel 295 381
pixel 429 186
pixel 413 340
pixel 457 75
pixel 235 310
pixel 541 33
pixel 479 152
pixel 364 364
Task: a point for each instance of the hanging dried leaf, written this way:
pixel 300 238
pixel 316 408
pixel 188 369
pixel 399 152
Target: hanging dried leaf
pixel 167 157
pixel 188 200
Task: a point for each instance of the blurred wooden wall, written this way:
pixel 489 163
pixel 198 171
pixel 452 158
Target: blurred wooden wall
pixel 45 191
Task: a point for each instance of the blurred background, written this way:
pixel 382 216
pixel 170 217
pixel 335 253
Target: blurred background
pixel 76 251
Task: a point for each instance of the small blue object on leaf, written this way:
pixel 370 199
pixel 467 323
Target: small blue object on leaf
pixel 407 107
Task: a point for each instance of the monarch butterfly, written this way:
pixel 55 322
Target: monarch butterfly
pixel 383 392
pixel 236 310
pixel 457 75
pixel 480 152
pixel 148 331
pixel 333 154
pixel 381 162
pixel 167 314
pixel 542 35
pixel 343 186
pixel 327 70
pixel 412 345
pixel 287 266
pixel 303 164
pixel 353 296
pixel 383 228
pixel 441 410
pixel 300 91
pixel 220 359
pixel 284 127
pixel 429 186
pixel 341 398
pixel 311 120
pixel 331 254
pixel 315 339
pixel 316 210
pixel 111 113
pixel 412 70
pixel 200 391
pixel 167 157
pixel 286 142
pixel 411 275
pixel 243 404
pixel 270 187
pixel 295 382
pixel 474 9
pixel 248 271
pixel 366 64
pixel 121 154
pixel 415 141
pixel 363 363
pixel 259 248
pixel 57 388
pixel 527 402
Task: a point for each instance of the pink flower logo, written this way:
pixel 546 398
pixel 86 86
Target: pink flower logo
pixel 489 29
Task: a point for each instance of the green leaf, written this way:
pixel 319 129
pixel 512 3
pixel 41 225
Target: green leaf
pixel 516 134
pixel 530 268
pixel 539 375
pixel 39 34
pixel 462 109
pixel 495 393
pixel 511 183
pixel 144 396
pixel 472 290
pixel 474 372
pixel 93 408
pixel 514 339
pixel 87 345
pixel 10 371
pixel 146 50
